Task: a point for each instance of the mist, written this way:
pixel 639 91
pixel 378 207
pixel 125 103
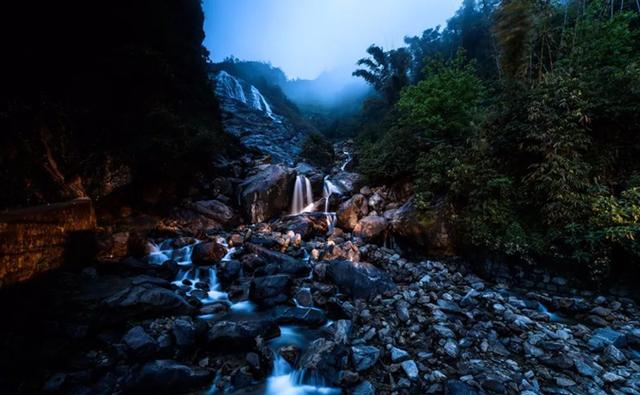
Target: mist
pixel 316 42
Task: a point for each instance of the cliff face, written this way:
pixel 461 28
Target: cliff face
pixel 38 239
pixel 97 98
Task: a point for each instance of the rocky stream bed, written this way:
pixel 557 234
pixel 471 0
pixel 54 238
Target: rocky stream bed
pixel 320 302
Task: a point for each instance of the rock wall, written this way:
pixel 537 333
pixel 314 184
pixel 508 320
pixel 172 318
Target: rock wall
pixel 35 240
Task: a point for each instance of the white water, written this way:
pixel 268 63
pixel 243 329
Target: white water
pixel 229 86
pixel 302 196
pixel 344 165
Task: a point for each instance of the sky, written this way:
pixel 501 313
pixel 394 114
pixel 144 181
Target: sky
pixel 308 37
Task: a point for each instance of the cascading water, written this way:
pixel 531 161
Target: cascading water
pixel 302 196
pixel 230 87
pixel 344 165
pixel 329 189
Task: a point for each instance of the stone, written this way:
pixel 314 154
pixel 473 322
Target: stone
pixel 229 271
pixel 364 357
pixel 410 369
pixel 282 263
pixel 457 387
pixel 613 356
pixel 240 335
pixel 216 210
pixel 351 211
pixel 166 375
pixel 140 343
pixel 270 290
pixel 308 316
pixel 402 309
pixel 267 193
pixel 398 354
pixel 184 332
pixel 451 348
pixel 603 337
pixel 324 359
pixel 360 280
pixel 304 297
pixel 207 253
pixel 371 227
pixel 364 388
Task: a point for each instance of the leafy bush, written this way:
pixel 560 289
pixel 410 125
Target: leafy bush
pixel 317 150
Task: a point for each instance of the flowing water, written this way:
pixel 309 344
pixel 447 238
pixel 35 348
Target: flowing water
pixel 302 196
pixel 228 86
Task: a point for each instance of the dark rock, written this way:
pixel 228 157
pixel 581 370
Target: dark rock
pixel 359 279
pixel 240 335
pixel 166 375
pixel 140 343
pixel 351 211
pixel 603 337
pixel 324 359
pixel 270 290
pixel 267 193
pixel 299 315
pixel 207 253
pixel 229 271
pixel 364 357
pixel 184 332
pixel 364 388
pixel 457 387
pixel 215 210
pixel 372 227
pixel 285 264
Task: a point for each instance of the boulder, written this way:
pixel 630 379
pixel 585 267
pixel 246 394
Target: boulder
pixel 308 316
pixel 306 224
pixel 165 375
pixel 457 387
pixel 284 264
pixel 372 227
pixel 351 211
pixel 267 193
pixel 207 253
pixel 364 357
pixel 229 271
pixel 364 388
pixel 359 279
pixel 140 343
pixel 270 290
pixel 184 332
pixel 324 359
pixel 215 210
pixel 421 229
pixel 349 182
pixel 240 335
pixel 602 337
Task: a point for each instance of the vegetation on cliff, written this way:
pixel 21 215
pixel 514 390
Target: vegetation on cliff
pixel 524 116
pixel 114 95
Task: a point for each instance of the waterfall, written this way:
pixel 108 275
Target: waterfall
pixel 329 189
pixel 344 165
pixel 302 196
pixel 285 380
pixel 228 86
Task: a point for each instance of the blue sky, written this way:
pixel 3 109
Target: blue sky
pixel 307 37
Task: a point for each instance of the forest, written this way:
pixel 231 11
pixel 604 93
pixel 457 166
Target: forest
pixel 528 137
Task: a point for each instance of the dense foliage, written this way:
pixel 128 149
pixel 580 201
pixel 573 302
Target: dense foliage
pixel 90 90
pixel 317 150
pixel 524 116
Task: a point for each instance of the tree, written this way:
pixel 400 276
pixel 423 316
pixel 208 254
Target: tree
pixel 387 72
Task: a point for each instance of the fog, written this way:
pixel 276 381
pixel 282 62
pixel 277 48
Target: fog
pixel 308 39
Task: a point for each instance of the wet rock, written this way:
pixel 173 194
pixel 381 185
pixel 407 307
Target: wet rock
pixel 166 375
pixel 304 297
pixel 267 193
pixel 216 210
pixel 207 253
pixel 229 271
pixel 398 354
pixel 347 378
pixel 410 369
pixel 184 332
pixel 457 387
pixel 270 290
pixel 240 335
pixel 281 263
pixel 325 359
pixel 140 343
pixel 372 227
pixel 603 337
pixel 364 357
pixel 613 356
pixel 299 315
pixel 402 310
pixel 451 348
pixel 359 279
pixel 364 388
pixel 351 211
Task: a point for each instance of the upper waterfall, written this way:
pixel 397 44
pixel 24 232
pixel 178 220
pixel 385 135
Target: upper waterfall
pixel 230 87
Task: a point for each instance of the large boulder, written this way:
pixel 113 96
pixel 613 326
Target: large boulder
pixel 240 335
pixel 305 224
pixel 216 210
pixel 351 211
pixel 270 290
pixel 308 316
pixel 359 279
pixel 281 263
pixel 166 375
pixel 324 358
pixel 349 182
pixel 424 229
pixel 372 227
pixel 267 193
pixel 208 253
pixel 140 343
